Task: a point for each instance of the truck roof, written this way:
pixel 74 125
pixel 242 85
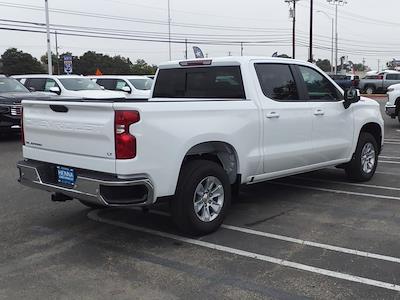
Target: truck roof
pixel 230 60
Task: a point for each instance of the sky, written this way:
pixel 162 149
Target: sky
pixel 367 29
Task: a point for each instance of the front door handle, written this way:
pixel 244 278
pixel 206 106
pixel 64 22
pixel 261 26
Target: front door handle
pixel 319 112
pixel 273 115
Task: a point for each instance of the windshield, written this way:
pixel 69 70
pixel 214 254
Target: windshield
pixel 143 84
pixel 10 85
pixel 79 84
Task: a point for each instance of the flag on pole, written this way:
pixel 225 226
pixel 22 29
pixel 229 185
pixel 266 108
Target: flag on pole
pixel 197 52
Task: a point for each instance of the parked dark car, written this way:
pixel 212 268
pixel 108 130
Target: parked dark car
pixel 346 81
pixel 11 94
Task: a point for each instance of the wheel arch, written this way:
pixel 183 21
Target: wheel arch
pixel 219 152
pixel 375 130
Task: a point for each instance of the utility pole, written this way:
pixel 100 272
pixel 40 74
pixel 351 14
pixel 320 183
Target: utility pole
pixel 379 65
pixel 292 15
pixel 241 49
pixel 169 30
pixel 310 56
pixel 363 61
pixel 49 58
pixel 336 3
pixel 333 35
pixel 58 57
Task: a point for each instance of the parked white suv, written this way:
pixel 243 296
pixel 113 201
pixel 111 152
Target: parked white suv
pixel 136 87
pixel 210 126
pixel 66 86
pixel 392 107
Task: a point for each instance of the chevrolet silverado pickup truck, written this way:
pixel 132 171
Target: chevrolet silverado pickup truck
pixel 210 126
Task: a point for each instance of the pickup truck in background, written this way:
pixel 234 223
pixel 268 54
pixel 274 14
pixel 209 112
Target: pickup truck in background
pixel 346 81
pixel 392 107
pixel 379 83
pixel 11 94
pixel 210 126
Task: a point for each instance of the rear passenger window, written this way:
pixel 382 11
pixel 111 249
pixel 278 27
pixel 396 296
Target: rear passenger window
pixel 277 82
pixel 200 82
pixel 392 77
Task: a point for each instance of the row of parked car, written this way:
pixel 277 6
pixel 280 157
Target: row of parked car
pixel 14 89
pixel 370 84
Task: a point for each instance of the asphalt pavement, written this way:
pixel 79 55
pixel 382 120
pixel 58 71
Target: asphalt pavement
pixel 312 236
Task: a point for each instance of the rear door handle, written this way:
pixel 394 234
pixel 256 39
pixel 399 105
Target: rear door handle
pixel 273 115
pixel 319 112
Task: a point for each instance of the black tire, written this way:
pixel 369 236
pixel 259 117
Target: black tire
pixel 354 168
pixel 182 205
pixel 369 89
pixel 92 205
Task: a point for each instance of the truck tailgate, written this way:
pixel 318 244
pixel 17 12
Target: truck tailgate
pixel 70 131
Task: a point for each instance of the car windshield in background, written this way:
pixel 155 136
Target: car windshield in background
pixel 10 85
pixel 79 84
pixel 144 84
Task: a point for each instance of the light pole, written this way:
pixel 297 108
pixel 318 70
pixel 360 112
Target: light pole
pixel 332 21
pixel 49 58
pixel 293 16
pixel 310 59
pixel 336 3
pixel 169 30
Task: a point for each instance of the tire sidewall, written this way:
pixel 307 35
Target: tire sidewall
pixel 364 139
pixel 186 192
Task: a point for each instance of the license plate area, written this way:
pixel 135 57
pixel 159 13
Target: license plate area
pixel 65 175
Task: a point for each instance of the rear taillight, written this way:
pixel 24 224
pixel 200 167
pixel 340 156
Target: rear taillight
pixel 22 127
pixel 125 142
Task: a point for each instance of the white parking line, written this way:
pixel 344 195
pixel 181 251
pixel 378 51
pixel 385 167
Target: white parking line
pixel 313 244
pixel 392 143
pixel 306 187
pixel 93 215
pixel 389 162
pixel 392 140
pixel 350 184
pixel 389 157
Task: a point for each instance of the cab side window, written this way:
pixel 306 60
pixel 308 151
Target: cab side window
pixel 120 84
pixel 108 84
pixel 49 84
pixel 319 88
pixel 35 84
pixel 277 82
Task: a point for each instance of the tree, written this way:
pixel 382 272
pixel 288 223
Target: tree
pixel 324 65
pixel 18 62
pixel 142 68
pixel 43 59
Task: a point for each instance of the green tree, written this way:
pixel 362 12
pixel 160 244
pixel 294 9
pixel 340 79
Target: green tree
pixel 360 67
pixel 142 68
pixel 18 62
pixel 324 65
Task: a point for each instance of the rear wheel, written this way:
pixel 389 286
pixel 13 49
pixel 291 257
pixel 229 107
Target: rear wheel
pixel 365 160
pixel 370 90
pixel 202 198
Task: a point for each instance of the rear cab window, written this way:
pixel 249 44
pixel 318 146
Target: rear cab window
pixel 215 82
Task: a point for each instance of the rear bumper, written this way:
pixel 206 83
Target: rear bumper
pixel 94 187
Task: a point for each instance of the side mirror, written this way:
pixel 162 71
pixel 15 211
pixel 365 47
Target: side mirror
pixel 126 89
pixel 102 87
pixel 351 96
pixel 31 89
pixel 55 90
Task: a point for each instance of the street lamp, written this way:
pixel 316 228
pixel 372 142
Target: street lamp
pixel 332 20
pixel 336 3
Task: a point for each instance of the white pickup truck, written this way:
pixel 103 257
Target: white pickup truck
pixel 210 126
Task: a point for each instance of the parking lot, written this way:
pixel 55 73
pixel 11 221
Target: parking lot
pixel 309 236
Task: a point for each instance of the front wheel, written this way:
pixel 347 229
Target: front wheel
pixel 365 160
pixel 202 198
